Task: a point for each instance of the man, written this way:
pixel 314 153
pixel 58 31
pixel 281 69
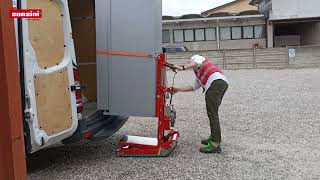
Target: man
pixel 214 84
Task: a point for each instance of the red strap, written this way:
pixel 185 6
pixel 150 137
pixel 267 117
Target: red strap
pixel 126 54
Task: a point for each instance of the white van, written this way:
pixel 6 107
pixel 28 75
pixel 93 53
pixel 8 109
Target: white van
pixel 71 93
pixel 53 60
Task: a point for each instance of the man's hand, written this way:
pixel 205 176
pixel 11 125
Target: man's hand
pixel 178 67
pixel 175 90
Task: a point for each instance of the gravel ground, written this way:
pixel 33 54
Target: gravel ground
pixel 270 126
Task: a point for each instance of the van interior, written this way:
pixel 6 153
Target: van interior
pixel 82 14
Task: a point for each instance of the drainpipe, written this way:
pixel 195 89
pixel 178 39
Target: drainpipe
pixel 218 34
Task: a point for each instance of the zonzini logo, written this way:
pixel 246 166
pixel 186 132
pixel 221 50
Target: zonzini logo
pixel 26 13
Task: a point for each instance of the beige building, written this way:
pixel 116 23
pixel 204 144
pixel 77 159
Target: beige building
pixel 236 6
pixel 216 30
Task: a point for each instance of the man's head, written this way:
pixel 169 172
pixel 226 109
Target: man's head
pixel 196 58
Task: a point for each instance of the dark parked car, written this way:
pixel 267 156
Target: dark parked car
pixel 175 49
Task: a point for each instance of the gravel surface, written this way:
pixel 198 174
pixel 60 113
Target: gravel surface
pixel 270 127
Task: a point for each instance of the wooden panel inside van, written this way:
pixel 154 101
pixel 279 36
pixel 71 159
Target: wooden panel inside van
pixel 87 76
pixel 47 34
pixel 81 8
pixel 84 35
pixel 53 102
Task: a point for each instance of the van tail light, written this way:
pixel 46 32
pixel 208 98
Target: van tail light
pixel 78 91
pixel 87 134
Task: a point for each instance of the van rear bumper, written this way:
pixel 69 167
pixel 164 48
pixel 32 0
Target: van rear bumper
pixel 97 125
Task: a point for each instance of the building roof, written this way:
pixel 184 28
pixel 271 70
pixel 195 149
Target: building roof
pixel 167 17
pixel 217 15
pixel 254 2
pixel 219 7
pixel 250 12
pixel 190 16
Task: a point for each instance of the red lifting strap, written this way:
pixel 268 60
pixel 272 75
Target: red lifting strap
pixel 144 55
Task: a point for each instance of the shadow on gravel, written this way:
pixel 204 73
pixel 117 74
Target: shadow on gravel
pixel 81 153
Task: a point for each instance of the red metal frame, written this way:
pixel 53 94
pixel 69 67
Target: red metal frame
pixel 167 137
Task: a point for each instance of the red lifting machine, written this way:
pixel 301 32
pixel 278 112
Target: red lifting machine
pixel 167 138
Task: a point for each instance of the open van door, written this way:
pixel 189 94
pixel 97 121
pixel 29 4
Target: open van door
pixel 48 56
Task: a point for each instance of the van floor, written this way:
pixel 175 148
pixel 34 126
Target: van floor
pixel 89 108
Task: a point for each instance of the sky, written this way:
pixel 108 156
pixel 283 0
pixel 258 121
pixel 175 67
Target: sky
pixel 181 7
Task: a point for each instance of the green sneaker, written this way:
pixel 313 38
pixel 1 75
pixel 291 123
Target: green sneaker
pixel 205 141
pixel 210 148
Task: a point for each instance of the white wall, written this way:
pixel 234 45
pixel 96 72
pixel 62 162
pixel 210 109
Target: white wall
pixel 290 9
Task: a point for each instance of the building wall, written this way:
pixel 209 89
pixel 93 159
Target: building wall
pixel 277 10
pixel 240 6
pixel 243 44
pixel 270 34
pixel 310 33
pixel 287 40
pixel 295 9
pixel 228 44
pixel 297 33
pixel 213 45
pixel 196 46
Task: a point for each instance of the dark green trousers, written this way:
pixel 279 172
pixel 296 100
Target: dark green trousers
pixel 214 97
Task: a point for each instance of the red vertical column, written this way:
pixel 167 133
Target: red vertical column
pixel 12 155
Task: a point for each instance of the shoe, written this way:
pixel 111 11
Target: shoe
pixel 210 148
pixel 205 150
pixel 205 141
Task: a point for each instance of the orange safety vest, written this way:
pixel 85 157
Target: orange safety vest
pixel 205 71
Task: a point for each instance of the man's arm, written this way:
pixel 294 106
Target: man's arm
pixel 196 85
pixel 182 89
pixel 187 66
pixel 190 65
pixel 189 88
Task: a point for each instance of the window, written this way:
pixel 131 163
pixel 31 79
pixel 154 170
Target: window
pixel 225 33
pixel 236 32
pixel 259 31
pixel 188 35
pixel 178 36
pixel 211 34
pixel 199 33
pixel 248 32
pixel 165 36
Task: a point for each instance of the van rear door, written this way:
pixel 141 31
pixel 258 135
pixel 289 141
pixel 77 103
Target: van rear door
pixel 51 110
